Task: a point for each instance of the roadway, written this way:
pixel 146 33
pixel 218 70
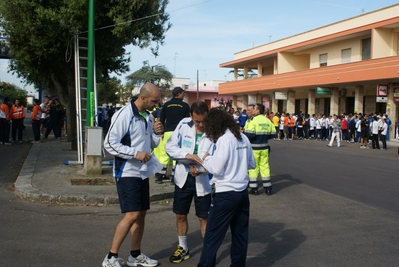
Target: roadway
pixel 330 207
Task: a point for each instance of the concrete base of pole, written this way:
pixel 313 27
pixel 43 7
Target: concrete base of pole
pixel 93 158
pixel 93 165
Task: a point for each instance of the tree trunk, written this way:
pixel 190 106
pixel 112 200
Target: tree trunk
pixel 66 94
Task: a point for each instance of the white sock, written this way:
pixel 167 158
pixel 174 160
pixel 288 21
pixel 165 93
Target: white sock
pixel 183 242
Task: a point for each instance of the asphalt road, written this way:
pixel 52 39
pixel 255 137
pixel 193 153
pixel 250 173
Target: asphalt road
pixel 367 176
pixel 330 207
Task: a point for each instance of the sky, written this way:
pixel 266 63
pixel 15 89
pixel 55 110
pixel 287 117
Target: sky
pixel 206 33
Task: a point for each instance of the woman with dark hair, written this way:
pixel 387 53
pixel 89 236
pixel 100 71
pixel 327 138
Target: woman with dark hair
pixel 229 163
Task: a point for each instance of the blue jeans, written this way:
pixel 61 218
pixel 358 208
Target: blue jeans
pixel 357 136
pixel 227 209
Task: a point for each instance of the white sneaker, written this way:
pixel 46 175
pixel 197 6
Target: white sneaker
pixel 141 260
pixel 112 262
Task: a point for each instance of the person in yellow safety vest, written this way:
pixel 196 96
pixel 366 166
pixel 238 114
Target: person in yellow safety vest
pixel 250 110
pixel 258 131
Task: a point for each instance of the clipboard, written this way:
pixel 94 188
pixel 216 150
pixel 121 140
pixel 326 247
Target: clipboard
pixel 189 162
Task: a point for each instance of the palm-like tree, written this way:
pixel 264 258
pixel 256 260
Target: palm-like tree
pixel 158 75
pixel 240 74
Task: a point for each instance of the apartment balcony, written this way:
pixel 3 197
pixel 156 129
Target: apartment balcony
pixel 381 70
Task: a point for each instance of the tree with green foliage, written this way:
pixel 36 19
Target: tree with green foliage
pixel 40 34
pixel 13 92
pixel 158 75
pixel 108 91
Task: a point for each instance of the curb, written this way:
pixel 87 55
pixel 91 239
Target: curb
pixel 24 189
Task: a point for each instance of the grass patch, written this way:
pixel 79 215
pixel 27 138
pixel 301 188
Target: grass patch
pixel 92 181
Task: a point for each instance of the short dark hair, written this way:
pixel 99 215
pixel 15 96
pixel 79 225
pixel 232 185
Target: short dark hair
pixel 199 107
pixel 261 108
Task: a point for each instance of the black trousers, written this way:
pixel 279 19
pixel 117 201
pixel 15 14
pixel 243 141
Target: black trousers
pixel 17 126
pixel 374 141
pixel 4 130
pixel 36 129
pixel 53 125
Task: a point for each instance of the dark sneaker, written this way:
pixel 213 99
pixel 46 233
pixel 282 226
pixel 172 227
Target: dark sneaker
pixel 158 178
pixel 253 191
pixel 180 255
pixel 268 190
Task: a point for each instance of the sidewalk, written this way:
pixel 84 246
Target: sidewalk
pixel 45 178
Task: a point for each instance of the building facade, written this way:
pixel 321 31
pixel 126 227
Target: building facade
pixel 351 66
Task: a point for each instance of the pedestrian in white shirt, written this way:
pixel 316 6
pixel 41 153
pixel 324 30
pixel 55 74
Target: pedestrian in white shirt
pixel 383 132
pixel 374 130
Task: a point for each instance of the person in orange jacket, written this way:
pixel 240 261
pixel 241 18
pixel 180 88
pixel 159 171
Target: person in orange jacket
pixel 35 116
pixel 5 122
pixel 291 126
pixel 17 121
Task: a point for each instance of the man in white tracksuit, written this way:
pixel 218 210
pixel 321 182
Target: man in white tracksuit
pixel 188 142
pixel 130 138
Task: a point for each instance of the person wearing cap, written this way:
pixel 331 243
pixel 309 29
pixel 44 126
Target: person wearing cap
pixel 172 112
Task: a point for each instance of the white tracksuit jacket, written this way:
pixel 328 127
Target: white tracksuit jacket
pixel 181 143
pixel 230 162
pixel 128 134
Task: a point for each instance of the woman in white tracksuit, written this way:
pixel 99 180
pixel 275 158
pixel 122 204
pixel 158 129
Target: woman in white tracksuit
pixel 229 166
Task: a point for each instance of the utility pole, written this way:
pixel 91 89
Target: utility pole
pixel 90 68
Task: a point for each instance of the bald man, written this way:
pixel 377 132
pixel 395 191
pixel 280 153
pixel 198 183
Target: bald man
pixel 130 138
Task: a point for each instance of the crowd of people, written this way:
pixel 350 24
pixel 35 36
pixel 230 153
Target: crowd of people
pixel 368 130
pixel 46 117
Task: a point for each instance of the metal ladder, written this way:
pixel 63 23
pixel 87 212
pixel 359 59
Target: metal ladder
pixel 81 92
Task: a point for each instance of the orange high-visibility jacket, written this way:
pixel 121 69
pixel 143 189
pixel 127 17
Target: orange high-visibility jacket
pixel 4 112
pixel 17 112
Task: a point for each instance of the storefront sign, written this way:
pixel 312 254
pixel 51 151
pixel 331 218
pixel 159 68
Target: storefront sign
pixel 280 95
pixel 323 91
pixel 396 94
pixel 382 99
pixel 382 90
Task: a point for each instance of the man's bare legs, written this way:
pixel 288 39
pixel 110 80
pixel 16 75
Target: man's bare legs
pixel 134 222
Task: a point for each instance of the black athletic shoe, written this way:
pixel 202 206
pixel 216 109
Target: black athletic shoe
pixel 253 191
pixel 158 178
pixel 179 255
pixel 268 190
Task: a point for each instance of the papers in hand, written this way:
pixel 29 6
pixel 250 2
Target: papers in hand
pixel 189 162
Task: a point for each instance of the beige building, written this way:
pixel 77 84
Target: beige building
pixel 350 66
